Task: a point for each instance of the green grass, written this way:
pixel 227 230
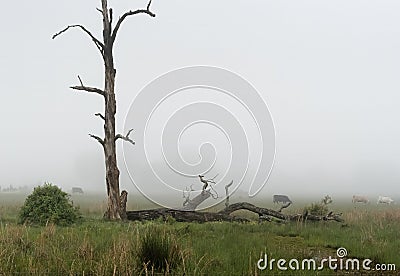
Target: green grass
pixel 97 247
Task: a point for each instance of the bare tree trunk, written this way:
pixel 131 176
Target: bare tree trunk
pixel 105 48
pixel 112 171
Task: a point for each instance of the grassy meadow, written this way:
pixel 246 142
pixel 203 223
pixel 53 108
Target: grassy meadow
pixel 97 247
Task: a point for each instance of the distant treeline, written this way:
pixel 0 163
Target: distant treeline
pixel 13 189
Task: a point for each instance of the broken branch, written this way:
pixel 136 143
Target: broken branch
pixel 87 88
pixel 125 138
pixel 192 204
pixel 129 13
pixel 101 141
pixel 98 43
pixel 187 197
pixel 79 78
pixel 284 206
pixel 227 193
pixel 100 115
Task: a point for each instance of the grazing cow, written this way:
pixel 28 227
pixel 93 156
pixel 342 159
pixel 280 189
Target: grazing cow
pixel 281 198
pixel 357 198
pixel 77 190
pixel 385 200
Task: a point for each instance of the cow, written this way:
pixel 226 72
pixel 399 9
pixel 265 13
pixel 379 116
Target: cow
pixel 281 198
pixel 358 198
pixel 77 190
pixel 384 200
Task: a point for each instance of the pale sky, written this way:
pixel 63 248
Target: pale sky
pixel 328 70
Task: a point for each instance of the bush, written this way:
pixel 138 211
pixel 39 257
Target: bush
pixel 48 203
pixel 159 250
pixel 319 208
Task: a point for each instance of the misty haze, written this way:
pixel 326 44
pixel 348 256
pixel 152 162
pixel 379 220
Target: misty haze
pixel 328 75
pixel 157 137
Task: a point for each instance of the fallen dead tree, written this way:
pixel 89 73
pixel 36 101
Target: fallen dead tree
pixel 188 212
pixel 226 214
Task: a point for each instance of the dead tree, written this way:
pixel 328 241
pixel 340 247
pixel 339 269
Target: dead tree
pixel 189 214
pixel 225 214
pixel 105 47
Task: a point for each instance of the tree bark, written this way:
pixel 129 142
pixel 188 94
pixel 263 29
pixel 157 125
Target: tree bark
pixel 112 171
pixel 180 215
pixel 123 198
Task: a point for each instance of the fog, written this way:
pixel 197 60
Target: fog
pixel 328 71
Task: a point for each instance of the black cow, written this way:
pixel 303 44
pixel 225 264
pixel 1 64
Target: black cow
pixel 281 199
pixel 77 190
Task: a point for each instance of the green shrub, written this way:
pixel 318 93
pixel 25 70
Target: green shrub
pixel 48 204
pixel 319 208
pixel 159 250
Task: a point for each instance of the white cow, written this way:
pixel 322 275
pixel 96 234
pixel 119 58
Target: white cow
pixel 358 198
pixel 385 200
